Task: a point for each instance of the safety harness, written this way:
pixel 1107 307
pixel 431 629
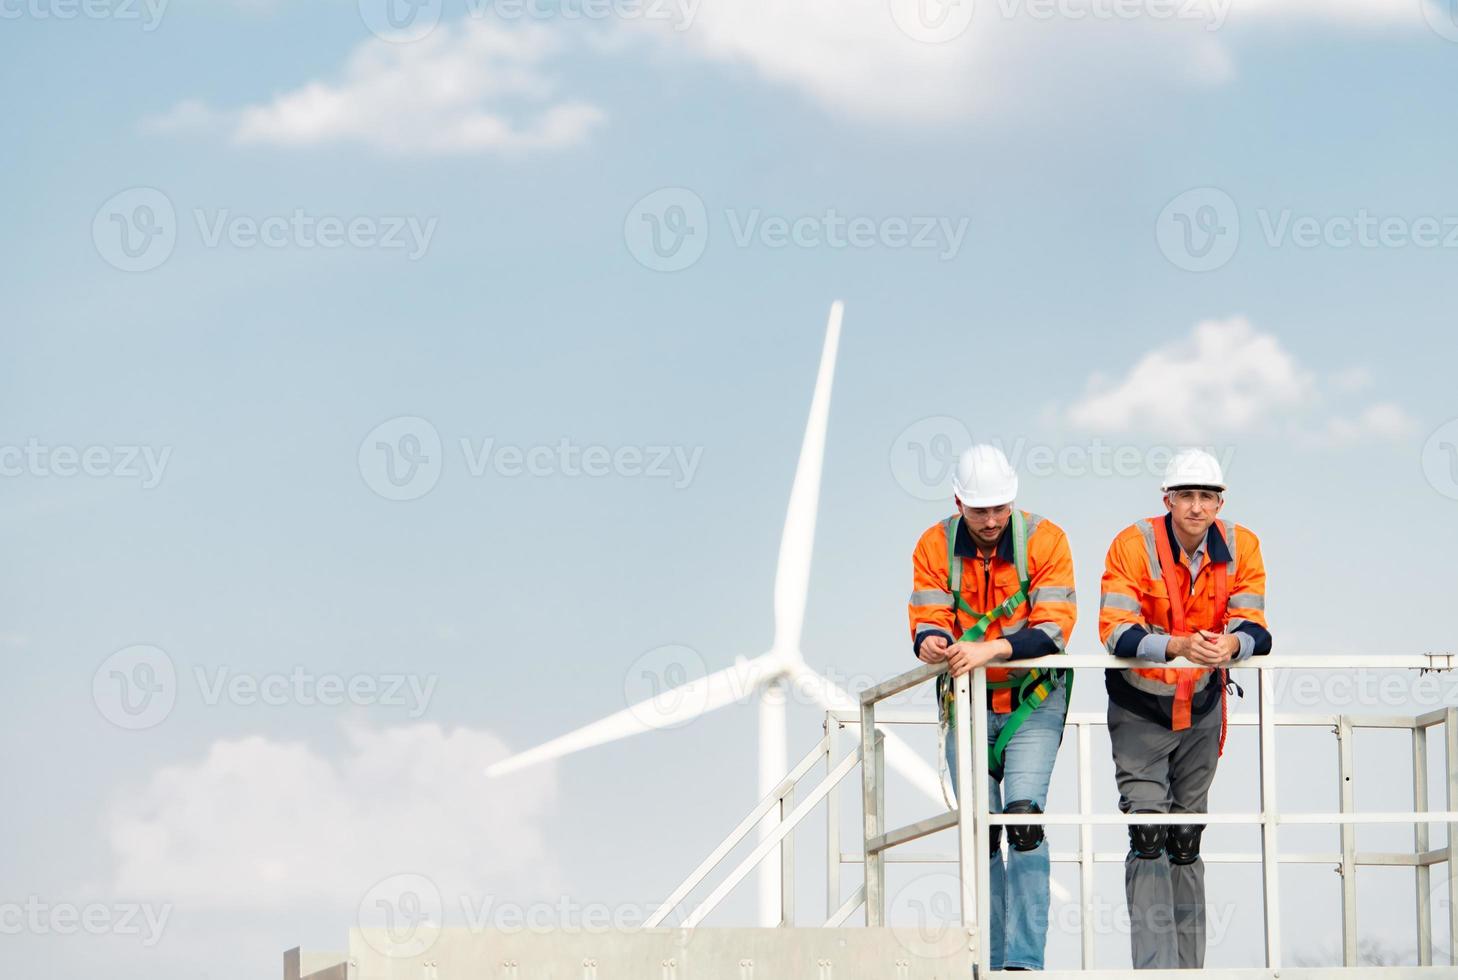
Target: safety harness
pixel 1186 677
pixel 1035 684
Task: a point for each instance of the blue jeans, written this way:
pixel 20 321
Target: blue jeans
pixel 1019 913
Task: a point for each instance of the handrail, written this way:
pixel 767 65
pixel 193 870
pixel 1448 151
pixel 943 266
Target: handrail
pixel 970 693
pixel 1407 661
pixel 761 809
pixel 770 842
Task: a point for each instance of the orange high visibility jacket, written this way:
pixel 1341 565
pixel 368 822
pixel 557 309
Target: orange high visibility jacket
pixel 1040 625
pixel 1227 596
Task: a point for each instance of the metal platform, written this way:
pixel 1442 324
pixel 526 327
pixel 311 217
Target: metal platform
pixel 707 953
pixel 834 950
pixel 648 954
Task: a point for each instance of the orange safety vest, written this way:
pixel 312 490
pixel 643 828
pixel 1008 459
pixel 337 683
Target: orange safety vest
pixel 1000 681
pixel 1184 679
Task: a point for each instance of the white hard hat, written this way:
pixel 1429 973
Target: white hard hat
pixel 984 478
pixel 1193 468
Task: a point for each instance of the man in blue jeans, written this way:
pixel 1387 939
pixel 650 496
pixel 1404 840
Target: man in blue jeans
pixel 992 585
pixel 1020 887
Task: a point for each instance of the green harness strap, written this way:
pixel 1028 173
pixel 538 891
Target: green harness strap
pixel 1036 684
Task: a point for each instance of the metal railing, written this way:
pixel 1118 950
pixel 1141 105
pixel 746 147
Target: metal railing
pixel 971 768
pixel 973 860
pixel 781 800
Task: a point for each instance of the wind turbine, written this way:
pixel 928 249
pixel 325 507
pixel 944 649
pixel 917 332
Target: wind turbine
pixel 768 673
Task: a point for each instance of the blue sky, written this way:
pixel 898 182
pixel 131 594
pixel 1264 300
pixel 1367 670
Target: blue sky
pixel 1054 165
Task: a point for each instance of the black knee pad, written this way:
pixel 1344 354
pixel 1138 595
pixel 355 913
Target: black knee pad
pixel 1025 837
pixel 996 840
pixel 1184 843
pixel 1147 839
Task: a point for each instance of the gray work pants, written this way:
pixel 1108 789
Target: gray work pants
pixel 1163 771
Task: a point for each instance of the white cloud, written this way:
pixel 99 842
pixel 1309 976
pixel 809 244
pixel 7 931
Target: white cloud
pixel 470 88
pixel 1357 12
pixel 1225 378
pixel 1228 378
pixel 454 91
pixel 1384 420
pixel 261 824
pixel 865 58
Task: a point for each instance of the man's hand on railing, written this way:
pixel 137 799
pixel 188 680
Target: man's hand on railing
pixel 933 650
pixel 1210 649
pixel 963 657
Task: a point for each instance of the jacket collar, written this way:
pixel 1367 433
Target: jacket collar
pixel 1216 548
pixel 965 547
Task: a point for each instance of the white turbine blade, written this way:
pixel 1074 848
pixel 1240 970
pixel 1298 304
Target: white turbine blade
pixel 792 573
pixel 665 710
pixel 899 755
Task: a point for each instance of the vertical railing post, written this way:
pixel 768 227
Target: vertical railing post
pixel 978 789
pixel 1421 841
pixel 832 822
pixel 880 762
pixel 966 821
pixel 1450 732
pixel 1085 846
pixel 874 863
pixel 1270 851
pixel 787 861
pixel 1347 795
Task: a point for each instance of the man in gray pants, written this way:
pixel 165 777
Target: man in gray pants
pixel 1178 586
pixel 1161 771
